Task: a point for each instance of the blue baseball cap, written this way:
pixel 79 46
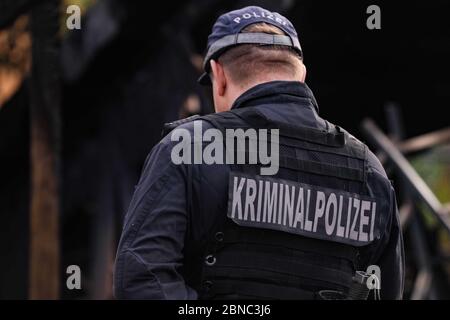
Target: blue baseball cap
pixel 226 33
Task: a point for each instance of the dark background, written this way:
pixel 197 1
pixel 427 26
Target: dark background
pixel 119 88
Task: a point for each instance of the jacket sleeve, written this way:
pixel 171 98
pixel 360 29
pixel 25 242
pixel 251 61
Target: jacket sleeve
pixel 392 258
pixel 149 255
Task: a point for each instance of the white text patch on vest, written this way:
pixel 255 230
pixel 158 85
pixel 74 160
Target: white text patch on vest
pixel 302 209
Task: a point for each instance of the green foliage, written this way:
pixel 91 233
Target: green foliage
pixel 434 168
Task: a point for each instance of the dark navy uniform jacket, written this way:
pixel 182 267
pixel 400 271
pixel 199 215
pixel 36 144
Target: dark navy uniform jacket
pixel 150 255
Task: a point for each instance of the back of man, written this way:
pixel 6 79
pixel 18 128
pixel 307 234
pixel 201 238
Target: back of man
pixel 273 236
pixel 322 210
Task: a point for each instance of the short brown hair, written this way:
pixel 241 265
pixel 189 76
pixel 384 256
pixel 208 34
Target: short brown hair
pixel 246 61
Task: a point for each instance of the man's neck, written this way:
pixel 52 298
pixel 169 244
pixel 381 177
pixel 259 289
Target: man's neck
pixel 237 91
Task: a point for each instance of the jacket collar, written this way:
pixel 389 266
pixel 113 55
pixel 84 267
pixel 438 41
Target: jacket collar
pixel 269 91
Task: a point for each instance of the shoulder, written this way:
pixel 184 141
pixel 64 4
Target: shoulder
pixel 174 131
pixel 373 163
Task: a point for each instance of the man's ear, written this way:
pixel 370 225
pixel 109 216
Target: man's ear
pixel 219 77
pixel 303 73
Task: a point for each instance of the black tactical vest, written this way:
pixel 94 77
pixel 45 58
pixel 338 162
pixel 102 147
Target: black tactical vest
pixel 306 227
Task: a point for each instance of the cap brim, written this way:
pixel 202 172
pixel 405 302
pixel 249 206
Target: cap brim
pixel 204 79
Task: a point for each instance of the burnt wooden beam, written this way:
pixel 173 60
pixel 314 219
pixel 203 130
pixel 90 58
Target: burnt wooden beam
pixel 45 99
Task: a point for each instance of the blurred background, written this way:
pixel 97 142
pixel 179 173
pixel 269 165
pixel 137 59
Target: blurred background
pixel 80 109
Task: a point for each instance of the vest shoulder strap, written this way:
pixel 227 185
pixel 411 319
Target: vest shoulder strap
pixel 168 127
pixel 334 139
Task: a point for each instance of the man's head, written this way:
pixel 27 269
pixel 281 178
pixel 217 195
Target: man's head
pixel 248 47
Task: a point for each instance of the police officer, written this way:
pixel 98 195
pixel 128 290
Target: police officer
pixel 225 230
